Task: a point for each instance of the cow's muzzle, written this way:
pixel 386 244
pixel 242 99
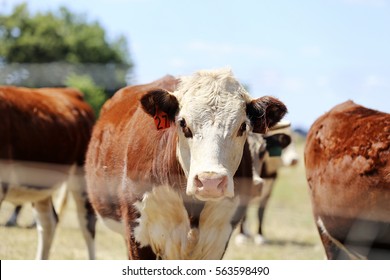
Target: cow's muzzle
pixel 210 185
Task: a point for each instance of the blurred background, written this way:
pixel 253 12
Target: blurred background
pixel 310 54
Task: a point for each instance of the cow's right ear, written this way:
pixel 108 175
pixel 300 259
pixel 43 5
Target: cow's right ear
pixel 161 105
pixel 280 139
pixel 265 112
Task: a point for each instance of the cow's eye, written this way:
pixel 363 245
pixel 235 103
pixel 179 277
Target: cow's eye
pixel 187 132
pixel 242 129
pixel 182 123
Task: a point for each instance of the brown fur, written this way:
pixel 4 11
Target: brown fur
pixel 46 125
pixel 348 170
pixel 121 118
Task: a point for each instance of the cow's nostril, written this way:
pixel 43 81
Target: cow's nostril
pixel 198 183
pixel 222 185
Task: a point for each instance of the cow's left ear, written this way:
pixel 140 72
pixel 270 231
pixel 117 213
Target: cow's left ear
pixel 280 139
pixel 160 99
pixel 265 112
pixel 161 105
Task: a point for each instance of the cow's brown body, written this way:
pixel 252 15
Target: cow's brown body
pixel 43 133
pixel 347 158
pixel 44 125
pixel 129 158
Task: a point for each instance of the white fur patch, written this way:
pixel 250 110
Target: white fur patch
pixel 213 105
pixel 164 226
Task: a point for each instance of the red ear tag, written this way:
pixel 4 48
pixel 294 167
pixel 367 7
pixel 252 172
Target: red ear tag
pixel 161 120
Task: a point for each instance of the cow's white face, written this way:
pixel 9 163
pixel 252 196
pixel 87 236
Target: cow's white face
pixel 213 114
pixel 212 127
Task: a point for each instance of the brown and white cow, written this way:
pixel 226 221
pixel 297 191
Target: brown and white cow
pixel 44 135
pixel 269 153
pixel 347 159
pixel 162 157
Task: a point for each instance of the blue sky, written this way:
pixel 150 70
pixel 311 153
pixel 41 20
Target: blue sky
pixel 310 54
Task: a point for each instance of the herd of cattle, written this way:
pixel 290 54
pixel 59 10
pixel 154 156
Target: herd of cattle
pixel 173 165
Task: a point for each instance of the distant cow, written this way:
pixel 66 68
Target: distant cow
pixel 161 161
pixel 273 150
pixel 347 158
pixel 44 134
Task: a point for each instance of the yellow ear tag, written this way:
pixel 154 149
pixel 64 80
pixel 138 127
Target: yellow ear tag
pixel 161 119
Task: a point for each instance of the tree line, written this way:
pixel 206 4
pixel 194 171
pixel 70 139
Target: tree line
pixel 62 36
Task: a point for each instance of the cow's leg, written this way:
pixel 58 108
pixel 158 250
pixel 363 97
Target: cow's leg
pixel 85 213
pixel 3 190
pixel 46 219
pixel 61 199
pixel 244 236
pixel 12 221
pixel 260 216
pixel 87 219
pixel 244 229
pixel 265 195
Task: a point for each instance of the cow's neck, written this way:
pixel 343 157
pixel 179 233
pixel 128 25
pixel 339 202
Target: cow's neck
pixel 166 168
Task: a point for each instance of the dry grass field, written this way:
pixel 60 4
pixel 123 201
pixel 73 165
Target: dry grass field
pixel 289 228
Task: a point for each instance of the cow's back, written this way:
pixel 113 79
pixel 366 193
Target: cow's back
pixel 348 170
pixel 44 125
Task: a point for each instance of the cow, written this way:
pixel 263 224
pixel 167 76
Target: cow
pixel 162 157
pixel 44 135
pixel 269 153
pixel 347 161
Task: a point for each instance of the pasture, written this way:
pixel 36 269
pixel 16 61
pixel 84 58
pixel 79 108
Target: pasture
pixel 288 226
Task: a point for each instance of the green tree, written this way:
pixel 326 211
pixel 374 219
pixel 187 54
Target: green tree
pixel 57 36
pixel 93 94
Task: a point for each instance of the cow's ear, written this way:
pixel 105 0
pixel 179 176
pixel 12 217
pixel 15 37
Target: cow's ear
pixel 265 112
pixel 281 140
pixel 161 105
pixel 284 140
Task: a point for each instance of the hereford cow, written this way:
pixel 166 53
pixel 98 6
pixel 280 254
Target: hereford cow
pixel 347 158
pixel 161 161
pixel 271 152
pixel 44 134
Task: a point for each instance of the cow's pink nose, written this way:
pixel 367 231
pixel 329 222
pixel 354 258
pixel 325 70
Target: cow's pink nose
pixel 210 184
